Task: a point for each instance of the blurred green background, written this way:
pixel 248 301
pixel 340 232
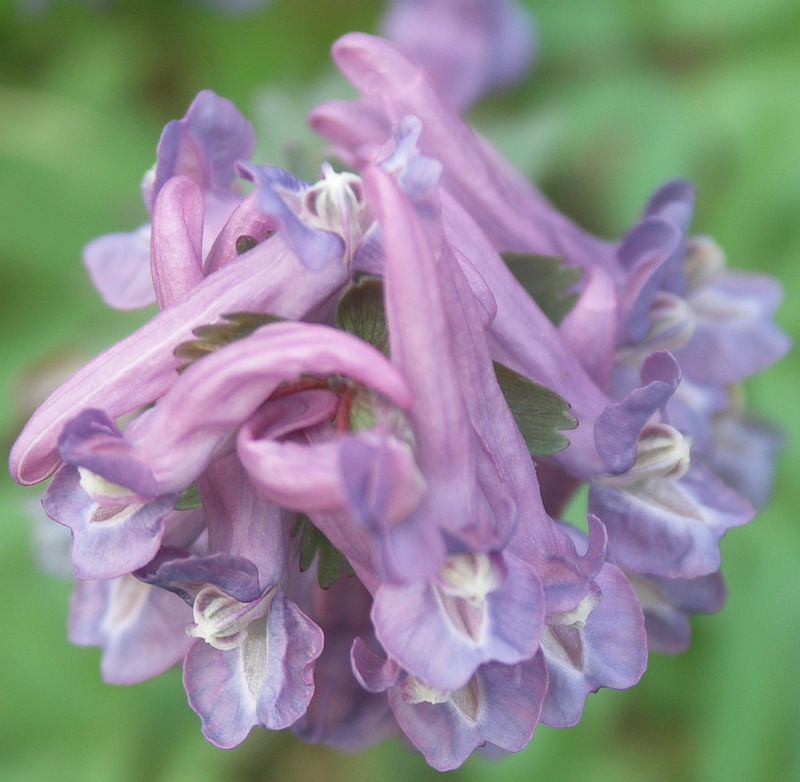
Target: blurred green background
pixel 624 95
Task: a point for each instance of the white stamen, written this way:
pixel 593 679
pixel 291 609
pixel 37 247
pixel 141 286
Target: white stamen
pixel 579 615
pixel 469 577
pixel 661 453
pixel 416 691
pixel 335 204
pixel 222 621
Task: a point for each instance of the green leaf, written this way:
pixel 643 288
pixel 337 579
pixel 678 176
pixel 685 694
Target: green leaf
pixel 313 544
pixel 546 279
pixel 539 412
pixel 215 335
pixel 189 498
pixel 362 411
pixel 245 243
pixel 360 311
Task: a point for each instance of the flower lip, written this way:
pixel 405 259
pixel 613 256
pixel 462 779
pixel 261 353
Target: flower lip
pixel 109 473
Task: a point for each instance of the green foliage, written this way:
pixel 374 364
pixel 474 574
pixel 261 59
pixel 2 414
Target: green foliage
pixel 546 279
pixel 189 498
pixel 215 335
pixel 541 414
pixel 245 243
pixel 312 544
pixel 360 311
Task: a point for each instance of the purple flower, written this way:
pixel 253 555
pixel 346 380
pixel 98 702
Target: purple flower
pixel 668 602
pixel 498 706
pixel 467 47
pixel 335 456
pixel 203 146
pixel 599 643
pixel 139 627
pixel 632 302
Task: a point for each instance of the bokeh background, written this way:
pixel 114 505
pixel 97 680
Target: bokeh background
pixel 624 95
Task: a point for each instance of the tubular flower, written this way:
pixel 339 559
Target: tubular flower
pixel 467 47
pixel 353 424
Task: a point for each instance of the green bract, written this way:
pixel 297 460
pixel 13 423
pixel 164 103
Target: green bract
pixel 539 412
pixel 360 311
pixel 546 279
pixel 215 335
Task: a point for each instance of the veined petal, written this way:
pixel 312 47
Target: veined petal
pixel 381 479
pixel 668 602
pixel 108 540
pixel 177 239
pixel 267 680
pixel 178 437
pixel 617 429
pixel 119 266
pixel 93 443
pixel 734 336
pixel 666 526
pixel 141 367
pixel 204 145
pixel 421 346
pixel 187 574
pixel 139 627
pixel 500 705
pixel 599 644
pixel 649 253
pixel 493 611
pixel 240 521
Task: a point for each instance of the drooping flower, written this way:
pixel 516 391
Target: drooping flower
pixel 203 146
pixel 467 47
pixel 342 463
pixel 627 305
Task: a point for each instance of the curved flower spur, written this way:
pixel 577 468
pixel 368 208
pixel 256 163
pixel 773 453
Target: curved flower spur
pixel 356 419
pixel 648 419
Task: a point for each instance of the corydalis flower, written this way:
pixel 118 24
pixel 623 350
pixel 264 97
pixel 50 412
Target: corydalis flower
pixel 203 146
pixel 467 47
pixel 344 454
pixel 621 306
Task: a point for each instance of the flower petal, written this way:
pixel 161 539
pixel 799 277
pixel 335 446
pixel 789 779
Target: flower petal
pixel 139 627
pixel 500 706
pixel 266 681
pixel 141 367
pixel 119 266
pixel 176 240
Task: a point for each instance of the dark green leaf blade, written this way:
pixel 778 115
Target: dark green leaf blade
pixel 189 498
pixel 314 544
pixel 546 279
pixel 541 414
pixel 233 326
pixel 360 311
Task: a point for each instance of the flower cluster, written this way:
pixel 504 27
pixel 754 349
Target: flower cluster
pixel 329 475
